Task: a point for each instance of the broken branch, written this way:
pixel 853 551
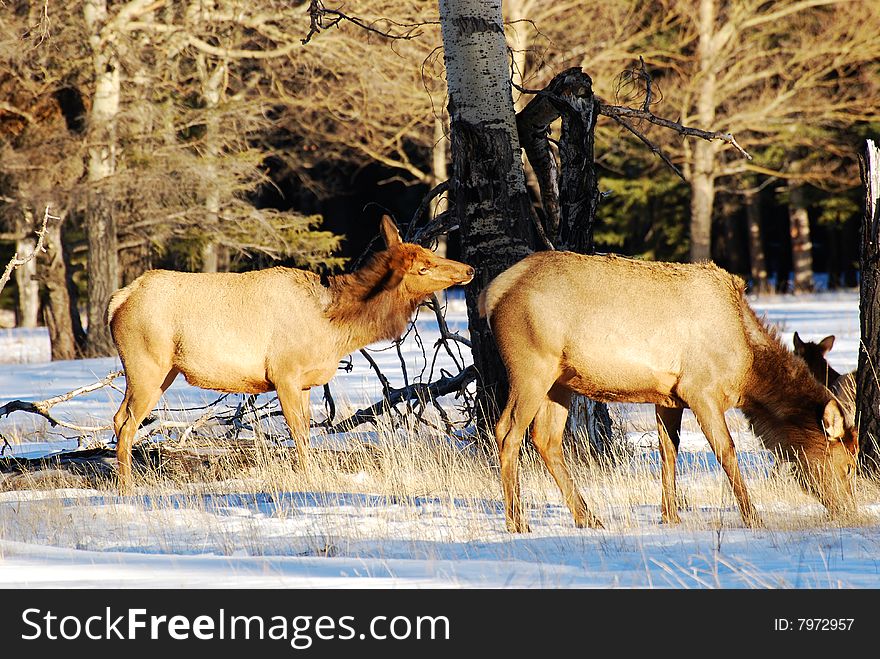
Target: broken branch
pixel 631 113
pixel 42 407
pixel 17 261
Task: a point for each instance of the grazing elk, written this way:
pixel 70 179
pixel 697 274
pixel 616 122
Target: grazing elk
pixel 277 329
pixel 842 386
pixel 676 335
pixel 814 355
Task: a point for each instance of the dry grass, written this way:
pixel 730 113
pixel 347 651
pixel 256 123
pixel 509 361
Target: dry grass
pixel 397 492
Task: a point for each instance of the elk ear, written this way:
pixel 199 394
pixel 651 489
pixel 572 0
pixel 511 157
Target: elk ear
pixel 398 266
pixel 389 231
pixel 392 280
pixel 798 344
pixel 832 420
pixel 826 344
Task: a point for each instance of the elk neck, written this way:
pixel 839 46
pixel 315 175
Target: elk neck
pixel 362 312
pixel 781 398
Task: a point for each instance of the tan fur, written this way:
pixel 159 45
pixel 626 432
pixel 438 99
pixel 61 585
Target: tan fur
pixel 277 329
pixel 676 335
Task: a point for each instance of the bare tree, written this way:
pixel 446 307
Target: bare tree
pixel 158 171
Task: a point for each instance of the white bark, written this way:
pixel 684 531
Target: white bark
pixel 103 264
pixel 477 71
pixel 213 84
pixel 703 172
pixel 28 286
pixel 439 174
pixel 107 86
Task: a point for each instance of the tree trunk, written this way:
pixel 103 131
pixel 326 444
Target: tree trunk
pixel 867 385
pixel 757 261
pixel 212 91
pixel 133 262
pixel 26 277
pixel 570 197
pixel 487 184
pixel 439 174
pixel 801 245
pixel 100 220
pixel 57 305
pixel 703 171
pixel 578 203
pixel 702 203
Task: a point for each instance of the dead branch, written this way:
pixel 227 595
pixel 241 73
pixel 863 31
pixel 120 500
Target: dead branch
pixel 16 261
pixel 42 407
pixel 423 208
pixel 654 149
pixel 420 392
pixel 631 113
pixel 321 18
pixel 442 224
pixel 445 335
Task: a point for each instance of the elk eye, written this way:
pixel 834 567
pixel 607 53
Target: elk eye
pixel 424 270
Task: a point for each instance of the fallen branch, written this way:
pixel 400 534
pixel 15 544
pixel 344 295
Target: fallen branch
pixel 421 392
pixel 42 407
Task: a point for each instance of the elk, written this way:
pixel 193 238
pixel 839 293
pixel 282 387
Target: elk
pixel 842 386
pixel 278 329
pixel 675 335
pixel 814 355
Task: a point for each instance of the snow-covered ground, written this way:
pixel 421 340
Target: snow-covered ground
pixel 438 536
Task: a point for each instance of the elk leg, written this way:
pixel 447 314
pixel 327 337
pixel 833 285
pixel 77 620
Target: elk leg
pixel 522 404
pixel 715 428
pixel 547 431
pixel 295 406
pixel 141 396
pixel 668 426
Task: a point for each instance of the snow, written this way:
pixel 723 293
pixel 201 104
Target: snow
pixel 351 536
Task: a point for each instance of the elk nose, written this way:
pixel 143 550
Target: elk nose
pixel 469 272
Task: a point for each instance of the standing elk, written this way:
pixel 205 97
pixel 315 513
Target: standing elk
pixel 675 335
pixel 277 329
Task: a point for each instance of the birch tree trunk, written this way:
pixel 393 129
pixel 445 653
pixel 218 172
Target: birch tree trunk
pixel 26 276
pixel 867 385
pixel 213 82
pixel 100 221
pixel 703 172
pixel 487 185
pixel 439 174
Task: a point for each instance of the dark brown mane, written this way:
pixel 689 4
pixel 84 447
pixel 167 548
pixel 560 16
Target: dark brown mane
pixel 783 401
pixel 367 300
